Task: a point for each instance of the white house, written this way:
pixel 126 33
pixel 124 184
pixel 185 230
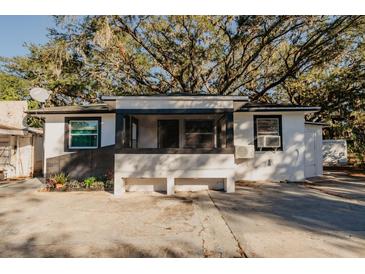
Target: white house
pixel 169 143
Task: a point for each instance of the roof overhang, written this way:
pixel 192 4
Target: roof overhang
pixel 87 109
pixel 279 109
pixel 20 131
pixel 316 124
pixel 178 98
pixel 17 132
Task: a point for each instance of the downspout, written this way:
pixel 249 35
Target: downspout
pixel 44 151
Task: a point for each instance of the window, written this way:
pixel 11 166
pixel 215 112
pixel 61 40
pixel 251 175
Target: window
pixel 168 133
pixel 83 133
pixel 268 132
pixel 199 134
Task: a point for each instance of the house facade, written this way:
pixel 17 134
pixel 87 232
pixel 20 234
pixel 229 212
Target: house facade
pixel 170 143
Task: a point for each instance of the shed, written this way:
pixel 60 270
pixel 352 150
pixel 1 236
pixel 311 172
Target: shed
pixel 21 147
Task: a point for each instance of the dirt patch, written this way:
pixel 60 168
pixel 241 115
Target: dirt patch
pixel 356 174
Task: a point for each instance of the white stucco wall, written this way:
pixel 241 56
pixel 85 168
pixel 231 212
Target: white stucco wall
pixel 12 113
pixel 54 131
pixel 277 165
pixel 150 171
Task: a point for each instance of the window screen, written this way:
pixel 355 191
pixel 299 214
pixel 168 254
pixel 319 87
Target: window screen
pixel 199 134
pixel 268 126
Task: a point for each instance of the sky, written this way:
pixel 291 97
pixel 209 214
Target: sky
pixel 16 30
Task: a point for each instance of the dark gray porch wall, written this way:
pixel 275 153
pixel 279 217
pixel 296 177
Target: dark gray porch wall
pixel 83 163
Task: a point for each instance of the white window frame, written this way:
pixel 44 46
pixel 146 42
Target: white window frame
pixel 78 134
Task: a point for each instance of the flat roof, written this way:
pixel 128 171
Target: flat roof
pixel 256 107
pixel 92 108
pixel 105 108
pixel 178 97
pixel 323 124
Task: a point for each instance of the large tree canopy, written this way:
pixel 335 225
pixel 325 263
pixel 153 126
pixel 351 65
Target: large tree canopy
pixel 313 60
pixel 250 55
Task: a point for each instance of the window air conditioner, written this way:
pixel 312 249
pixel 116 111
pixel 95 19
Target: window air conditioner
pixel 269 141
pixel 245 152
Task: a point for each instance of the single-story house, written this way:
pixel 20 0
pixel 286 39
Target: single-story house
pixel 21 147
pixel 171 142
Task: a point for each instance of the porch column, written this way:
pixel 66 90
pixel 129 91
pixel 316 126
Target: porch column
pixel 119 136
pixel 170 185
pixel 119 184
pixel 229 130
pixel 229 184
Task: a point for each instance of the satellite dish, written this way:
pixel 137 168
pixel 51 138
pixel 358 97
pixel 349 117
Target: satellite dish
pixel 40 94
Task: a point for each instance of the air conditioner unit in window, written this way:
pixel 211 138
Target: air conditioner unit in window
pixel 244 152
pixel 268 141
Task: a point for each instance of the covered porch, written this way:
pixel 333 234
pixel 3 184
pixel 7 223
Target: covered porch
pixel 171 149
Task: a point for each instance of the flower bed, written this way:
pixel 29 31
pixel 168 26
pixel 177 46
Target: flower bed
pixel 61 182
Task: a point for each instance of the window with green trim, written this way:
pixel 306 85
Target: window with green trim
pixel 83 134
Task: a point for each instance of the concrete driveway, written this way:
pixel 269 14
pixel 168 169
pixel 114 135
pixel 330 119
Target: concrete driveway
pixel 95 224
pixel 259 220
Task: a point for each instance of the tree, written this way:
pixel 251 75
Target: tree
pixel 338 87
pixel 12 87
pixel 311 60
pixel 250 55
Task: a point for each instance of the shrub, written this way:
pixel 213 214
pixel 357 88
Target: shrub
pixel 97 185
pixel 61 182
pixel 75 185
pixel 51 183
pixel 89 181
pixel 109 185
pixel 59 178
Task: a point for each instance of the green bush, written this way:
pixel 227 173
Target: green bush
pixel 89 181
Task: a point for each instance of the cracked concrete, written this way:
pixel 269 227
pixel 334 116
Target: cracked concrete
pixel 259 220
pixel 290 220
pixel 96 224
